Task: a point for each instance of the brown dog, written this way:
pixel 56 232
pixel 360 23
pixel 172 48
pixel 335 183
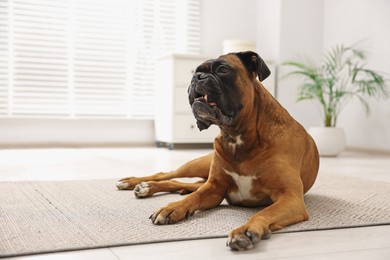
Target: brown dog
pixel 261 158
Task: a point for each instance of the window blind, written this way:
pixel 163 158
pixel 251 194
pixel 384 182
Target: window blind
pixel 4 67
pixel 89 58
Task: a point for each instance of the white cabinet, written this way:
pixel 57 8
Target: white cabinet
pixel 174 121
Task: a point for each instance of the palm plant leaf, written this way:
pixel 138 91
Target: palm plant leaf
pixel 342 75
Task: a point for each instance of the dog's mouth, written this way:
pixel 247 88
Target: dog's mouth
pixel 205 99
pixel 207 112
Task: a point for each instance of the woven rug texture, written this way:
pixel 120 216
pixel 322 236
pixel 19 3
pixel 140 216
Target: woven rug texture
pixel 42 216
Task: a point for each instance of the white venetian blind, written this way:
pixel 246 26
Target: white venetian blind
pixel 4 67
pixel 89 58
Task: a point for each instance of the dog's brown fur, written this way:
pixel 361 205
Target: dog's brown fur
pixel 263 158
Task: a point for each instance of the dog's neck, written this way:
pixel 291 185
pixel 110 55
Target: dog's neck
pixel 268 117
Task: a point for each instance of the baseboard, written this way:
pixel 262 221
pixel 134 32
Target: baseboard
pixel 75 133
pixel 370 151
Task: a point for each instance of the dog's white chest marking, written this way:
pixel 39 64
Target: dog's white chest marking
pixel 235 141
pixel 244 185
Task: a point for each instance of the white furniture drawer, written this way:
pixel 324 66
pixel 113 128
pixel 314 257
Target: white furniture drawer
pixel 184 69
pixel 186 130
pixel 182 104
pixel 174 121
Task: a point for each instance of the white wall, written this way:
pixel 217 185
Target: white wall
pixel 226 19
pixel 349 21
pixel 301 32
pixel 268 28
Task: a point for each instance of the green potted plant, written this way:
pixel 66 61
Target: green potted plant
pixel 341 77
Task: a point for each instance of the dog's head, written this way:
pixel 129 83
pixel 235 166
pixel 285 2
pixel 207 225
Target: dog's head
pixel 221 87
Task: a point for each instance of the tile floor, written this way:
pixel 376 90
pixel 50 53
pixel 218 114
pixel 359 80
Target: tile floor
pixel 67 164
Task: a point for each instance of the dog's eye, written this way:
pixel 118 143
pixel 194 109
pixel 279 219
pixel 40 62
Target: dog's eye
pixel 222 69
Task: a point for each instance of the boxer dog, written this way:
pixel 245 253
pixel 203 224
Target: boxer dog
pixel 261 158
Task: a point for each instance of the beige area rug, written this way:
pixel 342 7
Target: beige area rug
pixel 38 217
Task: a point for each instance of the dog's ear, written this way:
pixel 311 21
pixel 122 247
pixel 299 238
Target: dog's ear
pixel 254 64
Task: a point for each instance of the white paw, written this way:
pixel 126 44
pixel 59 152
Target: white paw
pixel 245 240
pixel 122 185
pixel 240 242
pixel 142 190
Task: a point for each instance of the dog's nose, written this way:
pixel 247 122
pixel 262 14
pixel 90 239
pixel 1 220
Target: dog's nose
pixel 200 76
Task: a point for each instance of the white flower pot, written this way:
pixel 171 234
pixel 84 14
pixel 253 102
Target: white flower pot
pixel 330 141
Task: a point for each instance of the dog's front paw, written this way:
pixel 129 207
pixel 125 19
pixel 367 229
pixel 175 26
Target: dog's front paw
pixel 142 190
pixel 127 183
pixel 171 214
pixel 244 238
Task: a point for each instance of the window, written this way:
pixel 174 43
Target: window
pixel 89 58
